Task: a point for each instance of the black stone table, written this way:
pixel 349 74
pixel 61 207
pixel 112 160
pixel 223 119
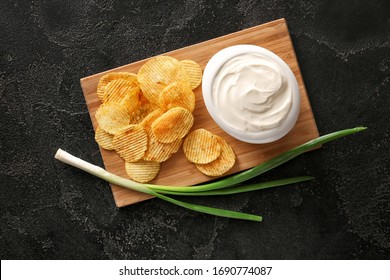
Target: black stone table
pixel 52 211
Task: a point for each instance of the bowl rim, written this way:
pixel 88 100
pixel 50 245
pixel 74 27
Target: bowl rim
pixel 211 70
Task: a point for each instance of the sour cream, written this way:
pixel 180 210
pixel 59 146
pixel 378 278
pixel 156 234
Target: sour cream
pixel 251 93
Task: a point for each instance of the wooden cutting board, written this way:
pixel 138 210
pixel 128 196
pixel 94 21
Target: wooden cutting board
pixel 177 170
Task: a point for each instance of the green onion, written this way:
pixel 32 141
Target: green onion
pixel 226 186
pixel 211 210
pixel 263 167
pixel 123 182
pixel 241 189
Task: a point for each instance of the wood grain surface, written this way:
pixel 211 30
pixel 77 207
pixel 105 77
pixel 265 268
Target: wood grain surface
pixel 177 170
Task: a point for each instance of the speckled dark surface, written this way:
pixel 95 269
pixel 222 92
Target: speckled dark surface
pixel 52 211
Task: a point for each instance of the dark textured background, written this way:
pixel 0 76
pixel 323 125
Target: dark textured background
pixel 52 211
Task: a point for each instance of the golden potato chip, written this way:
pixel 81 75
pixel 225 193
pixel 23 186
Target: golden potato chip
pixel 177 95
pixel 132 100
pixel 172 125
pixel 145 108
pixel 111 117
pixel 149 119
pixel 104 139
pixel 160 152
pixel 222 164
pixel 159 72
pixel 131 143
pixel 106 79
pixel 194 72
pixel 142 171
pixel 157 151
pixel 201 146
pixel 117 90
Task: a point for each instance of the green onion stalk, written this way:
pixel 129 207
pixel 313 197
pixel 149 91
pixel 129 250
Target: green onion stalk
pixel 226 186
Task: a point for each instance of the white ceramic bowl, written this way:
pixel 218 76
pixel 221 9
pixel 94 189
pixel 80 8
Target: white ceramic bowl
pixel 212 69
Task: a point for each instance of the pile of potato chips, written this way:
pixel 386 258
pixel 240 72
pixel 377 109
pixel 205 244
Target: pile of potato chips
pixel 144 118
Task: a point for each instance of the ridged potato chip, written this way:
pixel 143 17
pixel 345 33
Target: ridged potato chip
pixel 106 79
pixel 160 152
pixel 142 171
pixel 104 139
pixel 145 108
pixel 194 72
pixel 177 95
pixel 159 72
pixel 201 146
pixel 117 90
pixel 222 164
pixel 111 117
pixel 149 119
pixel 132 100
pixel 172 125
pixel 131 143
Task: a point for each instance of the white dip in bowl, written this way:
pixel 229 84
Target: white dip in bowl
pixel 251 93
